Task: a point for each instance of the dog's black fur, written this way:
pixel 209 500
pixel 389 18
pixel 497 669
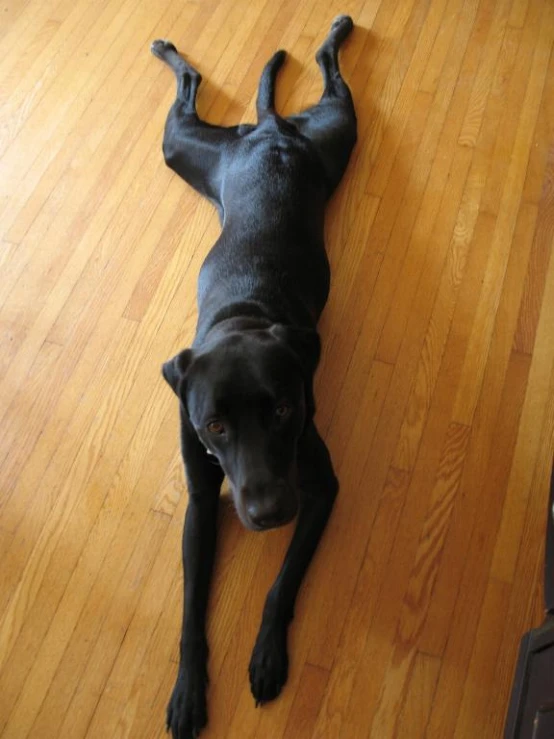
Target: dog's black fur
pixel 245 386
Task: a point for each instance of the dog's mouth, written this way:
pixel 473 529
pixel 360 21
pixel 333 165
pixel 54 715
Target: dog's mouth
pixel 268 526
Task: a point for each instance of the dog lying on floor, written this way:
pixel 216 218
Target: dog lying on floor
pixel 245 386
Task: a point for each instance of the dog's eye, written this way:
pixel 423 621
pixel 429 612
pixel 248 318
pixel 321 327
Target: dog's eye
pixel 216 427
pixel 283 410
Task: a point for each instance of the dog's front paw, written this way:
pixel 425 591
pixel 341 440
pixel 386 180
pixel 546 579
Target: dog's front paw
pixel 186 712
pixel 269 664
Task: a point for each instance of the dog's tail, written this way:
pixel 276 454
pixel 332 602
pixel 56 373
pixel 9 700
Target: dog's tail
pixel 266 91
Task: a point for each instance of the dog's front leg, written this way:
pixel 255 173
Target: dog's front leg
pixel 186 713
pixel 269 664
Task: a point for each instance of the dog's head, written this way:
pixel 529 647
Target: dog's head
pixel 248 396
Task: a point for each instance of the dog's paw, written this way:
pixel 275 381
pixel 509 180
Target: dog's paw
pixel 186 712
pixel 341 28
pixel 160 47
pixel 342 24
pixel 269 664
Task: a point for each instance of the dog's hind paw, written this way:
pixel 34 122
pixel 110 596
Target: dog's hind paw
pixel 344 22
pixel 160 47
pixel 269 664
pixel 341 27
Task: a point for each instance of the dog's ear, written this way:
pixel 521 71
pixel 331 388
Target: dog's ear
pixel 306 346
pixel 175 369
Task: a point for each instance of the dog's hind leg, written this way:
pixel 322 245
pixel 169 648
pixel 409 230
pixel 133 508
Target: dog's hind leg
pixel 327 57
pixel 331 124
pixel 192 148
pixel 188 78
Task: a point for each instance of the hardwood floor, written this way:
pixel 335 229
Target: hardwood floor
pixel 435 392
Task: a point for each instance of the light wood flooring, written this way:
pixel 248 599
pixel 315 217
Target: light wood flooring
pixel 435 393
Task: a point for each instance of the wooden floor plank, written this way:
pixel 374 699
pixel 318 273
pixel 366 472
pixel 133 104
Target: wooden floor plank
pixel 530 438
pixel 306 704
pixel 78 654
pixel 495 553
pixel 475 707
pixel 530 568
pixel 435 391
pixel 370 292
pixel 422 578
pixel 89 144
pixel 478 347
pixel 419 696
pixel 371 579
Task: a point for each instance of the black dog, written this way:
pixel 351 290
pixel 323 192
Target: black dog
pixel 245 386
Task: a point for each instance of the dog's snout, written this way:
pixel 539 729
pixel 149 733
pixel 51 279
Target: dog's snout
pixel 268 507
pixel 265 513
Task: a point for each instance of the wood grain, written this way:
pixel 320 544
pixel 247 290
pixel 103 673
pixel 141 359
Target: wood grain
pixel 435 391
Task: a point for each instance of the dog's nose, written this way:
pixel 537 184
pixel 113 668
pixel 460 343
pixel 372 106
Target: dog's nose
pixel 266 512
